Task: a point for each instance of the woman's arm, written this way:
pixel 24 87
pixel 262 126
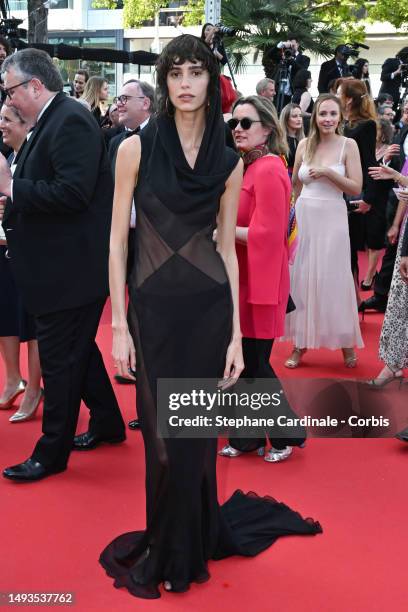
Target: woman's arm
pixel 127 167
pixel 353 181
pixel 366 137
pixel 394 230
pixel 267 236
pixel 296 183
pixel 386 173
pixel 305 100
pixel 226 222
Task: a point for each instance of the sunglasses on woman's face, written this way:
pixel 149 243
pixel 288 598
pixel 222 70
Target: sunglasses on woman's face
pixel 245 122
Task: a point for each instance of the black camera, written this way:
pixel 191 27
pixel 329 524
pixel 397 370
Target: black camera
pixel 225 30
pixel 9 28
pixel 288 53
pixel 348 51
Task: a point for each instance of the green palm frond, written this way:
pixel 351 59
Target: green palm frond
pixel 261 26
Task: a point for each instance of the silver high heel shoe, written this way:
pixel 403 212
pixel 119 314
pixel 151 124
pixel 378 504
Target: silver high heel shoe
pixel 274 455
pixel 20 416
pixel 229 451
pixel 18 391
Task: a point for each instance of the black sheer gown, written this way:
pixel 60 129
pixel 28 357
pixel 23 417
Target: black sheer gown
pixel 364 133
pixel 181 319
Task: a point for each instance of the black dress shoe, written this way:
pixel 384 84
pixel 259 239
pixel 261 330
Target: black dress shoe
pixel 134 424
pixel 29 471
pixel 402 435
pixel 88 440
pixel 375 302
pixel 121 380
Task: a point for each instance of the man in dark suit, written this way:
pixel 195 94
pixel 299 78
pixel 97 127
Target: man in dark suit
pixel 135 106
pixel 295 60
pixel 391 78
pixel 333 69
pixel 57 223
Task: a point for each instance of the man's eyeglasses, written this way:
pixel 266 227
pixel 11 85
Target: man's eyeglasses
pixel 245 122
pixel 9 91
pixel 123 99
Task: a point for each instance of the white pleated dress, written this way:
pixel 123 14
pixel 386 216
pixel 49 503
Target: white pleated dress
pixel 322 284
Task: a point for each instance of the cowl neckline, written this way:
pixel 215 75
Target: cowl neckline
pixel 172 178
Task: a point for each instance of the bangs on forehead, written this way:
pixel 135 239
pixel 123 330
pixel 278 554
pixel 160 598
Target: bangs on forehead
pixel 179 61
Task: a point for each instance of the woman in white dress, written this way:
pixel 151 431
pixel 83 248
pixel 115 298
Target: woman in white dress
pixel 326 166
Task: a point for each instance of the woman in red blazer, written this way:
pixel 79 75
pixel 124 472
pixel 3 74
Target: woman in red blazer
pixel 262 249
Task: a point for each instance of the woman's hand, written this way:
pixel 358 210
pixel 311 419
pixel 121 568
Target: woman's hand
pixel 404 269
pixel 234 364
pixel 391 151
pixel 317 173
pixel 210 35
pixel 383 173
pixel 123 352
pixel 392 234
pixel 402 196
pixel 362 208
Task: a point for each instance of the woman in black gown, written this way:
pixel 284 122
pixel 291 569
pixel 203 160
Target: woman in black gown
pixel 183 323
pixel 361 126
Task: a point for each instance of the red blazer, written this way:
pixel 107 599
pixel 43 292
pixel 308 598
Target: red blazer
pixel 263 262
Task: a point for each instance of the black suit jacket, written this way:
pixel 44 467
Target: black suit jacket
pixel 389 85
pixel 329 71
pixel 300 61
pixel 114 146
pixel 58 222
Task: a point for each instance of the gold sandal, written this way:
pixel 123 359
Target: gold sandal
pixel 295 358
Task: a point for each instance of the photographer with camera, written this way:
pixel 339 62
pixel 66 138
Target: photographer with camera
pixel 393 71
pixel 289 60
pixel 335 68
pixel 212 36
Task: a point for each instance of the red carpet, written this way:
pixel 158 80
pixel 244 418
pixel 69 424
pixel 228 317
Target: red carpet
pixel 52 532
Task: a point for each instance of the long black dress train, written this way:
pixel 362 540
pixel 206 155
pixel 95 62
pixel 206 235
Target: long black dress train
pixel 181 320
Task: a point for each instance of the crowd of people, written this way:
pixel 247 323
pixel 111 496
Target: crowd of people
pixel 229 232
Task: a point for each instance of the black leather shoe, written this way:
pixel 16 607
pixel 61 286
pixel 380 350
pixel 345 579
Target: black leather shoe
pixel 29 471
pixel 375 302
pixel 88 440
pixel 134 424
pixel 121 380
pixel 402 435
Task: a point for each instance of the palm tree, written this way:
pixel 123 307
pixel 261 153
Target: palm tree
pixel 260 26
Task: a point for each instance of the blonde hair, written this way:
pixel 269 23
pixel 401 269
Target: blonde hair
pixel 313 139
pixel 362 105
pixel 276 142
pixel 284 121
pixel 92 91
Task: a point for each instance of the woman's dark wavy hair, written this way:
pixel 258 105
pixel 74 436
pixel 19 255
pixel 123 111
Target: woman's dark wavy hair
pixel 203 29
pixel 184 48
pixel 301 78
pixel 358 68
